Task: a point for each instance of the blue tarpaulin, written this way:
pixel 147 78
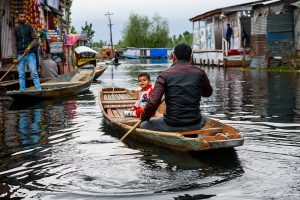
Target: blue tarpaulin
pixel 158 52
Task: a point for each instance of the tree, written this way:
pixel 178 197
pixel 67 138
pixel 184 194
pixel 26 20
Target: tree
pixel 185 37
pixel 88 28
pixel 159 32
pixel 135 33
pixel 99 44
pixel 73 30
pixel 143 32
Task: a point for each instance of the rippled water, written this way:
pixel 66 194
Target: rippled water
pixel 62 149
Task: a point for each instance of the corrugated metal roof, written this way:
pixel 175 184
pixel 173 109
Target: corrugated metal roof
pixel 234 8
pixel 207 14
pixel 270 1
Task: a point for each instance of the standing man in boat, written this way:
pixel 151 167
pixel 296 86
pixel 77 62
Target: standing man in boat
pixel 183 86
pixel 24 41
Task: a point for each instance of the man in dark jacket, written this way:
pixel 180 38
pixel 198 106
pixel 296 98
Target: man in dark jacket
pixel 24 40
pixel 183 85
pixel 228 36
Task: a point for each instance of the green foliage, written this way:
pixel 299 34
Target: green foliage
pixel 73 30
pixel 159 32
pixel 143 32
pixel 185 37
pixel 88 28
pixel 135 33
pixel 99 44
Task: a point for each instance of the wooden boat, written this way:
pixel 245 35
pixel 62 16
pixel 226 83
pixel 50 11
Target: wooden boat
pixel 99 70
pixel 214 135
pixel 72 83
pixel 14 84
pixel 84 55
pixel 112 63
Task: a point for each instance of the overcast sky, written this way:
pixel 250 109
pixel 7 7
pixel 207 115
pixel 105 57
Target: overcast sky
pixel 177 13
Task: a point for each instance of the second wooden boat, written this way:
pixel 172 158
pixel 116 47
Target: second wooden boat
pixel 214 135
pixel 72 83
pixel 99 70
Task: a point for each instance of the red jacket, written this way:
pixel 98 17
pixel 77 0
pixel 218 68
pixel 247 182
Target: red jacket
pixel 142 100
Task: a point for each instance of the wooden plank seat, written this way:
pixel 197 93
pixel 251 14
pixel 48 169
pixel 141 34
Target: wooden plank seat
pixel 110 97
pixel 118 106
pixel 115 112
pixel 115 92
pixel 105 102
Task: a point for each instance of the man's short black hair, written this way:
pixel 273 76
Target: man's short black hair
pixel 183 51
pixel 144 75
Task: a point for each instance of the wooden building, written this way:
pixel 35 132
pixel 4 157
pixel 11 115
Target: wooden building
pixel 262 30
pixel 275 32
pixel 209 29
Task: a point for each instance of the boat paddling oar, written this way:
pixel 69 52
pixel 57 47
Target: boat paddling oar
pixel 12 67
pixel 131 130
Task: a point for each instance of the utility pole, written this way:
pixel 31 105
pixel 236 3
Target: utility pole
pixel 111 41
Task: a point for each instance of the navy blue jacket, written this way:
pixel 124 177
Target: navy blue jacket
pixel 228 33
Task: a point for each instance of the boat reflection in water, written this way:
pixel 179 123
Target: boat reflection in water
pixel 28 132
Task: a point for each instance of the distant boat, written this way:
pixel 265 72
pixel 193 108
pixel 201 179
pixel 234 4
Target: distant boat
pixel 99 70
pixel 214 135
pixel 112 63
pixel 69 84
pixel 140 53
pixel 84 55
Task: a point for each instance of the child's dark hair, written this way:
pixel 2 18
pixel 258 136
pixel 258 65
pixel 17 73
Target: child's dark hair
pixel 145 75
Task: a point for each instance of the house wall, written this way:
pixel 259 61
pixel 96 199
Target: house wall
pixel 259 31
pixel 204 36
pixel 207 41
pixel 218 28
pixel 280 34
pixel 274 32
pixel 6 30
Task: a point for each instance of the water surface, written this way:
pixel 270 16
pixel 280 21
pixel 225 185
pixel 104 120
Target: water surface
pixel 62 149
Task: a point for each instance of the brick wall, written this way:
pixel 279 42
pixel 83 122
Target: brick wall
pixel 258 45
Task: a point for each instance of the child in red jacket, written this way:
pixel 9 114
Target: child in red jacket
pixel 144 94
